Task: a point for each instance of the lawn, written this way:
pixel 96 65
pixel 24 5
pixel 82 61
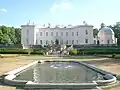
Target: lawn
pixel 13 62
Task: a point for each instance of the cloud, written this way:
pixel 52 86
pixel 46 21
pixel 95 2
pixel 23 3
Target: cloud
pixel 63 5
pixel 3 10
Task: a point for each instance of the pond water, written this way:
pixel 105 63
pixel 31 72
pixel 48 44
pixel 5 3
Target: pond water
pixel 59 72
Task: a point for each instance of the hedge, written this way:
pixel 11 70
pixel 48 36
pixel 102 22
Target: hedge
pixel 86 51
pixel 21 51
pixel 99 51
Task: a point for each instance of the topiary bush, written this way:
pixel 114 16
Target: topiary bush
pixel 73 52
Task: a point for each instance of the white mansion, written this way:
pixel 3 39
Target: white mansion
pixel 59 34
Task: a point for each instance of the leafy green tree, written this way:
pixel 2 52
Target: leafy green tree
pixel 116 29
pixel 18 35
pixel 95 32
pixel 12 35
pixel 9 35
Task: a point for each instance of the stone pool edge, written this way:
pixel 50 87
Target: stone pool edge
pixel 12 74
pixel 8 79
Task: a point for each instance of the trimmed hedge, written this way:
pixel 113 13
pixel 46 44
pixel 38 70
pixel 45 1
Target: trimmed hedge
pixel 21 51
pixel 86 51
pixel 92 51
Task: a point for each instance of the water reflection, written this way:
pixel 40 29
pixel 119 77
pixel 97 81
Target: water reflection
pixel 59 72
pixel 63 73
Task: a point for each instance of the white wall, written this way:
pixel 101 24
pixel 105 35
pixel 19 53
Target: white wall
pixel 81 35
pixel 28 35
pixel 33 34
pixel 104 37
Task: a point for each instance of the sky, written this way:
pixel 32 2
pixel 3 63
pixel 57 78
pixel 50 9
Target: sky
pixel 94 12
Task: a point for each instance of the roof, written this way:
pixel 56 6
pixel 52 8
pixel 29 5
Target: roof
pixel 106 30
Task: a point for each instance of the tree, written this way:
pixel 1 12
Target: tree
pixel 95 32
pixel 18 35
pixel 116 29
pixel 9 35
pixel 12 35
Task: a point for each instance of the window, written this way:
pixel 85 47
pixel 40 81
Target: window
pixel 72 41
pixel 52 42
pixel 61 33
pixel 56 33
pixel 72 33
pixel 46 33
pixel 51 33
pixel 66 33
pixel 86 40
pixel 61 42
pixel 36 41
pixel 77 41
pixel 108 41
pixel 47 42
pixel 94 41
pixel 27 41
pixel 77 33
pixel 27 32
pixel 40 41
pixel 67 42
pixel 86 32
pixel 40 33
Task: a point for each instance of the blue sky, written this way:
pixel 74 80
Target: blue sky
pixel 94 12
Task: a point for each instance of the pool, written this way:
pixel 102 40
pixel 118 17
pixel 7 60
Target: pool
pixel 59 75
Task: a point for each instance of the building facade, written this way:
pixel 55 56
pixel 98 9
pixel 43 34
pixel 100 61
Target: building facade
pixel 64 35
pixel 106 36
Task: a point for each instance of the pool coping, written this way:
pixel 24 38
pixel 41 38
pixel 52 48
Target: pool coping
pixel 29 84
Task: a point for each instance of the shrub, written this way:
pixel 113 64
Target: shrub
pixel 118 77
pixel 21 51
pixel 91 51
pixel 73 52
pixel 113 55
